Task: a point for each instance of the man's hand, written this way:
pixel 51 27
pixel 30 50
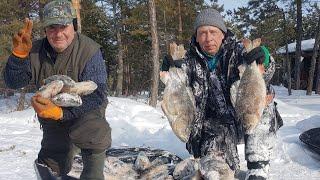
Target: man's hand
pixel 22 43
pixel 174 59
pixel 45 108
pixel 255 54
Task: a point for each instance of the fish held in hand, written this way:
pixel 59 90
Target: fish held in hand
pixel 67 100
pixel 51 89
pixel 81 88
pixel 67 81
pixel 251 93
pixel 178 102
pixel 64 91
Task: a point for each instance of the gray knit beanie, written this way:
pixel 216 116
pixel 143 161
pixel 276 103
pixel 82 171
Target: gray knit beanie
pixel 210 17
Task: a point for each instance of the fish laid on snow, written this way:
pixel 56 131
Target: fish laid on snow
pixel 142 162
pixel 178 101
pixel 251 94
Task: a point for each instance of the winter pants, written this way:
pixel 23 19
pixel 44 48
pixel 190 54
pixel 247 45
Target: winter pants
pixel 213 166
pixel 57 151
pixel 258 148
pixel 219 157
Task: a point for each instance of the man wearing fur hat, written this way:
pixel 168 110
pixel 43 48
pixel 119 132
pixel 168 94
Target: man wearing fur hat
pixel 211 65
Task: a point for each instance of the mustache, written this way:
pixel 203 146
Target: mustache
pixel 58 39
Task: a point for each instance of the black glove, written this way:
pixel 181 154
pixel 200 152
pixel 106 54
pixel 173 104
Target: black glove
pixel 169 62
pixel 255 54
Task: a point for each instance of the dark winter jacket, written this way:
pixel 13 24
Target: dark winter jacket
pixel 275 119
pixel 212 89
pixel 82 61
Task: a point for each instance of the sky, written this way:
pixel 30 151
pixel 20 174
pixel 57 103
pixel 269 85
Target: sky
pixel 231 4
pixel 135 124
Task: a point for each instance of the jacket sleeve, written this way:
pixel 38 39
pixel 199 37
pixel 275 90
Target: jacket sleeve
pixel 95 71
pixel 267 76
pixel 17 72
pixel 186 65
pixel 169 62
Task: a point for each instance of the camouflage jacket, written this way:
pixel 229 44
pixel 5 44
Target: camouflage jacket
pixel 212 89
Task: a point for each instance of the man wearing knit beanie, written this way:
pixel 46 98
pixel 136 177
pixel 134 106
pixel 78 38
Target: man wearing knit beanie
pixel 210 17
pixel 211 65
pixel 209 22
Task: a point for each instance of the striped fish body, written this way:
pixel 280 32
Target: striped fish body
pixel 67 100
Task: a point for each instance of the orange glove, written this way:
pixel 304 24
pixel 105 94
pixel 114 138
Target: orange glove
pixel 45 108
pixel 22 43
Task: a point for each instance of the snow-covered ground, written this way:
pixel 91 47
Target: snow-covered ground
pixel 137 124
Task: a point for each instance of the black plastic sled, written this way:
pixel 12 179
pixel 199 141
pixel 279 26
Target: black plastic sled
pixel 43 172
pixel 127 155
pixel 312 139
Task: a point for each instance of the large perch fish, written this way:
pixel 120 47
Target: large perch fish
pixel 81 88
pixel 51 89
pixel 67 100
pixel 251 95
pixel 64 91
pixel 178 101
pixel 67 81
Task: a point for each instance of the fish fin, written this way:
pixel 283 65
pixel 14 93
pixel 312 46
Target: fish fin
pixel 256 43
pixel 172 49
pixel 177 52
pixel 247 44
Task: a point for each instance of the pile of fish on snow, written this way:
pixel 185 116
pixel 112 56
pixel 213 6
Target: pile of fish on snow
pixel 142 163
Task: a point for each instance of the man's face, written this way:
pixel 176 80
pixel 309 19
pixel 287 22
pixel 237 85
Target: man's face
pixel 60 36
pixel 210 39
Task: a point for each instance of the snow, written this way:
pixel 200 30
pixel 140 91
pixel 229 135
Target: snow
pixel 134 123
pixel 306 45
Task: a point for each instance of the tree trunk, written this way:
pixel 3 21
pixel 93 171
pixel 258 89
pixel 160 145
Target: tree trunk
pixel 288 61
pixel 298 45
pixel 77 7
pixel 22 99
pixel 120 66
pixel 155 53
pixel 180 20
pixel 129 80
pixel 127 73
pixel 318 78
pixel 165 30
pixel 42 32
pixel 117 27
pixel 314 60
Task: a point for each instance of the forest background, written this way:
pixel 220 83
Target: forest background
pixel 135 35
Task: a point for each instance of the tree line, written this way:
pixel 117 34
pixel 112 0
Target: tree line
pixel 135 34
